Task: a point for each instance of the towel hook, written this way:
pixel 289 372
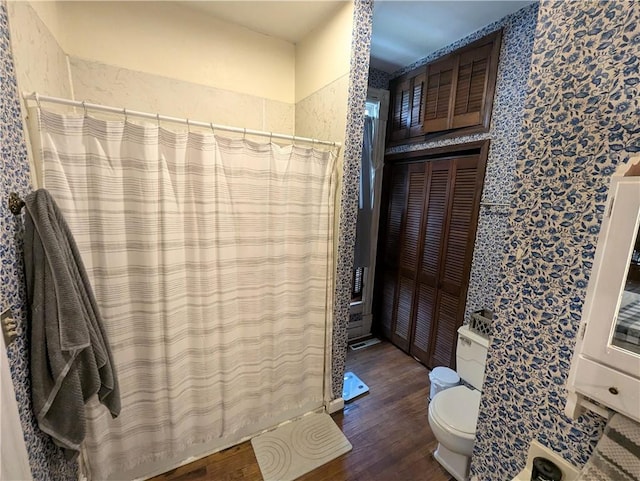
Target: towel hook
pixel 15 203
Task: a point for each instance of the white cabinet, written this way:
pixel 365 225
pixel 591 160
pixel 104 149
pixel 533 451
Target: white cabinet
pixel 606 361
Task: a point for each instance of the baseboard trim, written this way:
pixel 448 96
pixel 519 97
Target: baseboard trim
pixel 335 405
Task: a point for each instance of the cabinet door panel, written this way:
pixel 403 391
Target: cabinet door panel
pixel 438 95
pixel 400 110
pixel 417 116
pixel 471 87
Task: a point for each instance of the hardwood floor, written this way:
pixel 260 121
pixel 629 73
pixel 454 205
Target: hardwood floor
pixel 387 427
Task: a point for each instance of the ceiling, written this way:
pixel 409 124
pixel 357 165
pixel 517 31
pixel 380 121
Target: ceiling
pixel 406 31
pixel 403 31
pixel 287 20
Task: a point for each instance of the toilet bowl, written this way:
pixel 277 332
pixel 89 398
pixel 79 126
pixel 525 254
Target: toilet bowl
pixel 453 412
pixel 453 415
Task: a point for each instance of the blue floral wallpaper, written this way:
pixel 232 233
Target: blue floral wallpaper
pixel 379 79
pixel 360 47
pixel 506 120
pixel 46 460
pixel 580 122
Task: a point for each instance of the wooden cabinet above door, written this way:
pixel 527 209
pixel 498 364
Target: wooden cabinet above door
pixel 450 96
pixel 406 106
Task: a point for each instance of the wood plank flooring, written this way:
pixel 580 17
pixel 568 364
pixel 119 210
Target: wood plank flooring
pixel 387 427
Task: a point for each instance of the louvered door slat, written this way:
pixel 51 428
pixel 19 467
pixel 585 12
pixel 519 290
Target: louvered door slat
pixel 388 299
pixel 435 219
pixel 445 335
pixel 413 216
pixel 403 312
pixel 461 216
pixel 401 110
pixel 471 87
pixel 415 126
pixel 423 322
pixel 395 213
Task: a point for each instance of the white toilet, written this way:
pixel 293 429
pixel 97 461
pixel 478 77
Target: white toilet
pixel 453 413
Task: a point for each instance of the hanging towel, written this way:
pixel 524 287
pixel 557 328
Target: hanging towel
pixel 617 454
pixel 70 357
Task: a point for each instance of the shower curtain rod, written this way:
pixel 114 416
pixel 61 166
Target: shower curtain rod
pixel 165 118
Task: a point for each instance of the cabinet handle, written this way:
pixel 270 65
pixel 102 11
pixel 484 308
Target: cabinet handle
pixel 613 390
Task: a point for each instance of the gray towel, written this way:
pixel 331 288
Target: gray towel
pixel 70 357
pixel 617 454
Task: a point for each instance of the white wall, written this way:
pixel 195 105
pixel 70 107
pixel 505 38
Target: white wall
pixel 40 63
pixel 169 40
pixel 160 58
pixel 324 55
pixel 109 85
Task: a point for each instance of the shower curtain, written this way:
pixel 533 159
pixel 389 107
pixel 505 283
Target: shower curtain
pixel 210 258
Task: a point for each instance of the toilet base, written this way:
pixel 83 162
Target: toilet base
pixel 456 464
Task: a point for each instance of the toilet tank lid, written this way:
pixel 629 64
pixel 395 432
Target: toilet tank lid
pixel 444 375
pixel 464 331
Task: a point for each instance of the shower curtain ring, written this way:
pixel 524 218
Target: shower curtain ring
pixel 244 134
pixel 84 107
pixel 38 100
pixel 213 130
pixel 158 119
pixel 188 126
pixel 126 117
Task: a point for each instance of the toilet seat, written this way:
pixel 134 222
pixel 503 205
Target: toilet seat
pixel 456 409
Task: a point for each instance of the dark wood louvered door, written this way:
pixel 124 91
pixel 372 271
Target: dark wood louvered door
pixel 423 293
pixel 435 214
pixel 393 222
pixel 464 190
pixel 409 255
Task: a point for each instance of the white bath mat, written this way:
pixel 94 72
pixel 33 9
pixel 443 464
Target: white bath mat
pixel 353 386
pixel 294 449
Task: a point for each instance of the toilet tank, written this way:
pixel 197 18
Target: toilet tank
pixel 471 356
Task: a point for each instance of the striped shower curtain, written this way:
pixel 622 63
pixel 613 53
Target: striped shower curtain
pixel 210 259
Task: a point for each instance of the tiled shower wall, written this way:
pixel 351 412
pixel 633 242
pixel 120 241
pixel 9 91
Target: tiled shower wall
pixel 580 123
pixel 47 462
